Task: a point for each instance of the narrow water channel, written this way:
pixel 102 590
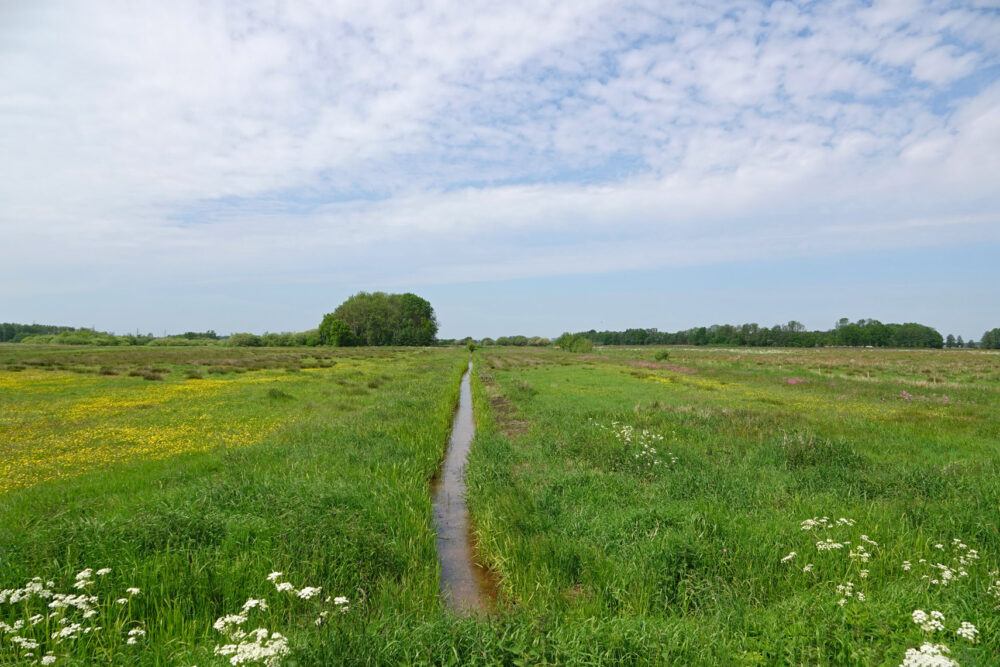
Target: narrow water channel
pixel 465 586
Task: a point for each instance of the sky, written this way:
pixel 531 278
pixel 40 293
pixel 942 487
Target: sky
pixel 528 167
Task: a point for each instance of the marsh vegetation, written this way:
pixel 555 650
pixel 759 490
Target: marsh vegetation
pixel 709 506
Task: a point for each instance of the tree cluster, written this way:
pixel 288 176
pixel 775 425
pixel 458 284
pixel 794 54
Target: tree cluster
pixel 990 340
pixel 377 318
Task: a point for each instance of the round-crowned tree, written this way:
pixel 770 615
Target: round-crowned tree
pixel 377 318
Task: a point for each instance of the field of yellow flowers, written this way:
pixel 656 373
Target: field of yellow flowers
pixel 214 505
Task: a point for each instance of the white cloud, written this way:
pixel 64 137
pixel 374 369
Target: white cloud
pixel 213 140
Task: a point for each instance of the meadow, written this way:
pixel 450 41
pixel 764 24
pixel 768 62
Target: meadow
pixel 209 505
pixel 747 506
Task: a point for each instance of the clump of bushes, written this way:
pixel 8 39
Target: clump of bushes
pixel 577 343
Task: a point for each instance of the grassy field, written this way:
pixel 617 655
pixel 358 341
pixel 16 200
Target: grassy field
pixel 192 489
pixel 714 507
pixel 746 506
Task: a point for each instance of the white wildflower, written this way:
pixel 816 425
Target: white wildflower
pixel 789 557
pixel 928 655
pixel 103 571
pixel 829 544
pixel 71 631
pixel 284 586
pixel 847 590
pixel 274 576
pixel 931 623
pixel 48 659
pixel 227 624
pixel 808 567
pixel 254 604
pixel 309 592
pixel 25 643
pixel 814 523
pixel 263 649
pixel 967 631
pixel 132 591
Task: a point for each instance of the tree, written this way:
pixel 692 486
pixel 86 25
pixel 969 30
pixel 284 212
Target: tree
pixel 334 331
pixel 574 343
pixel 950 341
pixel 378 318
pixel 990 340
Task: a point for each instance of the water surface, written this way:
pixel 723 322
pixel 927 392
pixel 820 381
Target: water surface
pixel 466 587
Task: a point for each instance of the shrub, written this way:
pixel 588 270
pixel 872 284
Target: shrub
pixel 244 340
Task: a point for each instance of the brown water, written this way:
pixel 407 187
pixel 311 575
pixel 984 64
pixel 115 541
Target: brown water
pixel 466 587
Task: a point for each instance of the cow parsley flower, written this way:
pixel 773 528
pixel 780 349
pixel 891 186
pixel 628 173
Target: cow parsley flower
pixel 828 544
pixel 931 623
pixel 309 592
pixel 254 604
pixel 928 655
pixel 967 631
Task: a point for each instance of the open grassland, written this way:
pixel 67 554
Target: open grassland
pixel 195 487
pixel 637 509
pixel 745 506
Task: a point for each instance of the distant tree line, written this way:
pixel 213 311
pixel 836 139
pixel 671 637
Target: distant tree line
pixel 866 332
pixel 515 341
pixel 417 326
pixel 15 333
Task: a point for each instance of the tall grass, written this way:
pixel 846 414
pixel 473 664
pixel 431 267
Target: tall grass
pixel 582 530
pixel 604 557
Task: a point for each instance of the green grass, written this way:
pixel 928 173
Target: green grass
pixel 334 495
pixel 315 463
pixel 578 527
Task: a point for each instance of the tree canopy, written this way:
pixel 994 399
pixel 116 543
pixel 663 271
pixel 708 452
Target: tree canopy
pixel 377 318
pixel 991 340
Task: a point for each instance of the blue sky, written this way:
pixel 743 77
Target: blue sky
pixel 529 167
